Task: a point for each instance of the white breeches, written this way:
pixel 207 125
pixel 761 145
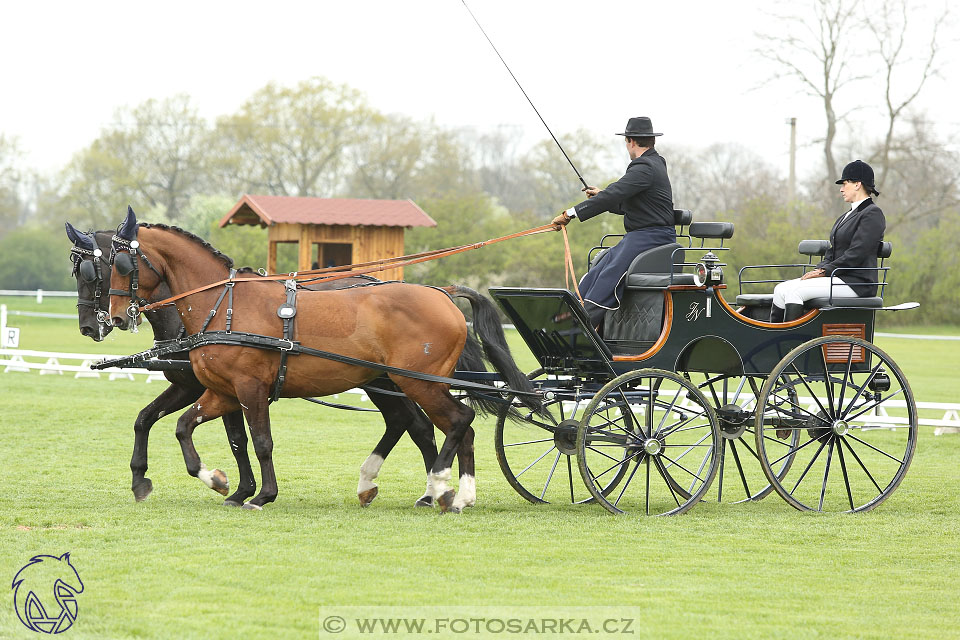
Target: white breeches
pixel 799 291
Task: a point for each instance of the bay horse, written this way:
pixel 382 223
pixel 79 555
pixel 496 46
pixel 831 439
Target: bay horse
pixel 399 325
pixel 92 273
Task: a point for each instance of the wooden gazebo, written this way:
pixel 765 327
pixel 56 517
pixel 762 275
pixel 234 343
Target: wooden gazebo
pixel 345 231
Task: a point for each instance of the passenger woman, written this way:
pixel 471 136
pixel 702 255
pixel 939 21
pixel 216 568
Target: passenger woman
pixel 854 241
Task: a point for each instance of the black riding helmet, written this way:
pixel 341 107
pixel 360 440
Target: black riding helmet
pixel 859 171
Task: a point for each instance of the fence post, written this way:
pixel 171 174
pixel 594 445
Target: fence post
pixel 3 326
pixel 39 296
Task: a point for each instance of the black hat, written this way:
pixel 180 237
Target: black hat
pixel 857 171
pixel 639 128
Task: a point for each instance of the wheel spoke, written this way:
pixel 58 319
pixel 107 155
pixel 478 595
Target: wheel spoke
pixel 853 399
pixel 550 475
pixel 677 464
pixel 723 459
pixel 666 478
pixel 570 476
pixel 814 395
pixel 517 444
pixel 828 385
pixel 647 500
pixel 867 444
pixel 810 464
pixel 798 407
pixel 743 478
pixel 826 474
pixel 627 483
pixel 860 462
pixel 864 409
pixel 619 463
pixel 846 377
pixel 542 456
pixel 843 469
pixel 792 451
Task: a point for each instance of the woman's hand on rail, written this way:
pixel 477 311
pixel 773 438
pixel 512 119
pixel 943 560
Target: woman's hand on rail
pixel 816 273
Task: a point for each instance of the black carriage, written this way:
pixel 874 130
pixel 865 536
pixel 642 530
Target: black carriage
pixel 687 396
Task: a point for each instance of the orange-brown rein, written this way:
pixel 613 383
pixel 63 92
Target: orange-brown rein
pixel 338 273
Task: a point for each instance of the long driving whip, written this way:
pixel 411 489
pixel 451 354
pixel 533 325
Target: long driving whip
pixel 559 146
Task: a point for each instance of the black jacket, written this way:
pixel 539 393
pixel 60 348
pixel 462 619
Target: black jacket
pixel 643 195
pixel 854 243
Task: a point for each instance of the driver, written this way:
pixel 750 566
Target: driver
pixel 644 197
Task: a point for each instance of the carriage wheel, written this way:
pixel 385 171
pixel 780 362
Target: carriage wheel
pixel 657 429
pixel 853 448
pixel 740 477
pixel 538 462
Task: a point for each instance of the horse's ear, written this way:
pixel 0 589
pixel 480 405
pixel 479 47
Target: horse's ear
pixel 79 238
pixel 128 230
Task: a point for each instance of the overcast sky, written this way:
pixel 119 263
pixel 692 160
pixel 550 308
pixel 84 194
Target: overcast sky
pixel 67 66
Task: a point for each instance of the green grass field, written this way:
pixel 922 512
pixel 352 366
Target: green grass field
pixel 181 566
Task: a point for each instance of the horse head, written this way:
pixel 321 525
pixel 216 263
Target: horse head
pixel 91 271
pixel 127 279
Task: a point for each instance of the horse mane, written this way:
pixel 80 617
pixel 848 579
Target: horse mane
pixel 222 257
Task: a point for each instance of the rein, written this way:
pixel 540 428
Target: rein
pixel 338 273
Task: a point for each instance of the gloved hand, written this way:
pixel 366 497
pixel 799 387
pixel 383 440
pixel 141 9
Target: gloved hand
pixel 561 220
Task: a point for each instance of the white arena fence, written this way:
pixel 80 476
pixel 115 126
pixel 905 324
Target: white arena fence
pixel 78 364
pixel 22 360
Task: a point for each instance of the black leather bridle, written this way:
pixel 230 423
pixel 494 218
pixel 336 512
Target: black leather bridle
pixel 125 257
pixel 88 267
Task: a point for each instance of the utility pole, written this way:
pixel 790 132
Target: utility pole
pixel 792 184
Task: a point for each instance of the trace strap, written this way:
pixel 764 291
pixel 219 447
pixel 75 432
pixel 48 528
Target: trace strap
pixel 243 339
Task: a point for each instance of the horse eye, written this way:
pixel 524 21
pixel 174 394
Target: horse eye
pixel 123 263
pixel 88 273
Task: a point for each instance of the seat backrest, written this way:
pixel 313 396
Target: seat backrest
pixel 660 259
pixel 682 217
pixel 713 230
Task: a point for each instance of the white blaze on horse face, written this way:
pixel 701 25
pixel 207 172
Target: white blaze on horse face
pixel 466 492
pixel 369 470
pixel 205 475
pixel 439 482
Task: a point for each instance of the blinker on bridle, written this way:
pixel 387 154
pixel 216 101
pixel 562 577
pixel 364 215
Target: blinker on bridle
pixel 125 256
pixel 88 266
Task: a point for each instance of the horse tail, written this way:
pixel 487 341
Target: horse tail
pixel 488 335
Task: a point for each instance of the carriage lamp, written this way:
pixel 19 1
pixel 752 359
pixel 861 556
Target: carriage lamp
pixel 880 382
pixel 708 271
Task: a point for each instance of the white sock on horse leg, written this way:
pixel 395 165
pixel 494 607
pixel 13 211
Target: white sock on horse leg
pixel 369 470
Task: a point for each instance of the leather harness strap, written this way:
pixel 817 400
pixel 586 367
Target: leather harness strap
pixel 271 343
pixel 287 312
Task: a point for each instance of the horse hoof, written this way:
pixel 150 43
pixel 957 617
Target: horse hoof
pixel 232 503
pixel 453 509
pixel 366 497
pixel 425 501
pixel 142 489
pixel 249 506
pixel 220 483
pixel 446 500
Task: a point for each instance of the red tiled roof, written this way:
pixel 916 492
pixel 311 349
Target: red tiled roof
pixel 289 209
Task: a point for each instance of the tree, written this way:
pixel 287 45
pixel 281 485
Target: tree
pixel 31 259
pixel 154 159
pixel 813 47
pixel 291 141
pixel 891 27
pixel 12 207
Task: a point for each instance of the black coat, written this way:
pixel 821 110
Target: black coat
pixel 854 242
pixel 643 195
